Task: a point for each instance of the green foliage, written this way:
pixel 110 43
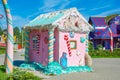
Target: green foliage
pixel 22 75
pixel 90 46
pixel 2 50
pixel 18 35
pixel 1 31
pixel 99 47
pixel 17 75
pixel 105 53
pixel 3 75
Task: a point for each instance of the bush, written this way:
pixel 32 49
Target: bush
pixel 17 75
pixel 22 75
pixel 99 47
pixel 90 47
pixel 2 50
pixel 3 75
pixel 105 53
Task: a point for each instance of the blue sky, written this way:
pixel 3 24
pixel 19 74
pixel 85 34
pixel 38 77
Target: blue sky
pixel 25 10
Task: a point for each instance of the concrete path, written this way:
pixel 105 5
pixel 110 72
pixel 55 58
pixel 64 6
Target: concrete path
pixel 104 69
pixel 17 56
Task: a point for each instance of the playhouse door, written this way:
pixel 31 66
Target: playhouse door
pixel 45 48
pixel 35 47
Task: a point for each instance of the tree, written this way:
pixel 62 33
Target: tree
pixel 18 34
pixel 1 31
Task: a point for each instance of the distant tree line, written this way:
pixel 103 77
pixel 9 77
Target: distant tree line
pixel 17 34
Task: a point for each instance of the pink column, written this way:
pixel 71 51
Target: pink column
pixel 10 39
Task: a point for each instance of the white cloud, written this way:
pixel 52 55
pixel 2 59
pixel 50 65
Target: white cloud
pixel 114 11
pixel 50 5
pixel 81 9
pixel 101 7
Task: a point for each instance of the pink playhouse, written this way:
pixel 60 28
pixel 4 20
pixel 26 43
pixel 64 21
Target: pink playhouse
pixel 51 36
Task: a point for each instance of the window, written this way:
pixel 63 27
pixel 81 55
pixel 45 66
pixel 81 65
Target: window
pixel 73 44
pixel 36 41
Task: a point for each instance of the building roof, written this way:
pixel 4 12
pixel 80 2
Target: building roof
pixel 98 21
pixel 50 20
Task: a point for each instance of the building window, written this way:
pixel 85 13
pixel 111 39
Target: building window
pixel 73 44
pixel 36 42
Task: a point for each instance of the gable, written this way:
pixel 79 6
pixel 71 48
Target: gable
pixel 74 21
pixel 98 21
pixel 67 20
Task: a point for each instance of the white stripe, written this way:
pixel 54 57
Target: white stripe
pixel 100 27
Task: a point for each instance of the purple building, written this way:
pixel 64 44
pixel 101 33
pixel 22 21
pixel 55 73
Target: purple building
pixel 104 27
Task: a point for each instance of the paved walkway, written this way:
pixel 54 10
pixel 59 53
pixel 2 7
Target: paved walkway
pixel 104 69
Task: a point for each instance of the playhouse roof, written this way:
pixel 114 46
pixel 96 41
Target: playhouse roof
pixel 50 21
pixel 98 21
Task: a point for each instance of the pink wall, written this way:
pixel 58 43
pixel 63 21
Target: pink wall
pixel 39 55
pixel 77 55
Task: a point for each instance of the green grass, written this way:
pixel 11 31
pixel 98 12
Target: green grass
pixel 105 53
pixel 3 75
pixel 2 50
pixel 17 75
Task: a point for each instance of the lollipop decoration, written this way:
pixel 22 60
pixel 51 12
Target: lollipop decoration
pixel 10 39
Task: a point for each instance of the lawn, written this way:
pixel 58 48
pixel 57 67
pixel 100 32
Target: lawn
pixel 17 75
pixel 2 50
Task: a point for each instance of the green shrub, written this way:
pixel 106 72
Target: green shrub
pixel 105 53
pixel 99 47
pixel 90 47
pixel 2 50
pixel 17 75
pixel 3 75
pixel 22 75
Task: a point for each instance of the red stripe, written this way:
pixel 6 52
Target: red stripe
pixel 68 45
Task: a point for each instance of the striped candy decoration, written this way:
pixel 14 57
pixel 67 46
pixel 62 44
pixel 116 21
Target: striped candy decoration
pixel 51 46
pixel 111 40
pixel 27 45
pixel 68 44
pixel 10 39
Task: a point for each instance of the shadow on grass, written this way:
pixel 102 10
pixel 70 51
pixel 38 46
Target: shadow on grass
pixel 2 68
pixel 18 62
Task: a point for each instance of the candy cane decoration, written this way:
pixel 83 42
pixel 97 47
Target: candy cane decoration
pixel 50 46
pixel 27 45
pixel 10 39
pixel 111 40
pixel 68 44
